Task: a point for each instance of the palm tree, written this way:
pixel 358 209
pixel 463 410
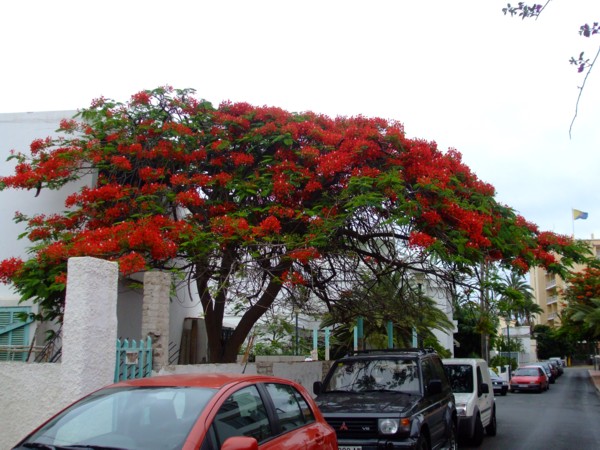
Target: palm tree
pixel 516 299
pixel 588 315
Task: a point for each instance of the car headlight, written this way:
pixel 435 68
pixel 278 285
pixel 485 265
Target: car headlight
pixel 392 426
pixel 461 409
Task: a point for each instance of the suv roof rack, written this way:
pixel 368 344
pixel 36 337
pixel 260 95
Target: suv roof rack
pixel 379 351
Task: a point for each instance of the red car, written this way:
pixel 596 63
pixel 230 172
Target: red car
pixel 206 412
pixel 529 378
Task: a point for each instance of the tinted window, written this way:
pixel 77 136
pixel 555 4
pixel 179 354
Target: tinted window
pixel 460 377
pixel 375 374
pixel 290 407
pixel 479 381
pixel 438 372
pixel 242 414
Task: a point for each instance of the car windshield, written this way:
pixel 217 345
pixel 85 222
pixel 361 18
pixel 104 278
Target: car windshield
pixel 493 374
pixel 530 372
pixel 127 418
pixel 399 375
pixel 461 377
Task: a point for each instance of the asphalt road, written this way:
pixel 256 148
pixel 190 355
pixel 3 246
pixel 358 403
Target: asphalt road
pixel 566 417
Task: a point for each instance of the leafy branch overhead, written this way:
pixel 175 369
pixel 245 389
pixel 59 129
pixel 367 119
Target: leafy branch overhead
pixel 247 202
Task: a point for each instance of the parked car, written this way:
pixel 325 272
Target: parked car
pixel 206 412
pixel 548 369
pixel 529 378
pixel 556 366
pixel 389 399
pixel 500 384
pixel 559 360
pixel 474 393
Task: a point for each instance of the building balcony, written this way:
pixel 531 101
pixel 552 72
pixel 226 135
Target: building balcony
pixel 552 300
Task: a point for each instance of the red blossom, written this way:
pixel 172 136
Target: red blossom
pixel 9 268
pixel 304 255
pixel 269 225
pixel 189 198
pixel 141 98
pixel 419 239
pixel 121 162
pixel 131 263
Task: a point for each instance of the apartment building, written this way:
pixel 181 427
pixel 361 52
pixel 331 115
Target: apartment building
pixel 547 289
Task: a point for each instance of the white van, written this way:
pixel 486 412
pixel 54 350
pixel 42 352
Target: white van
pixel 474 394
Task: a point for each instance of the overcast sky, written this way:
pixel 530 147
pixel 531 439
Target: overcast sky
pixel 499 90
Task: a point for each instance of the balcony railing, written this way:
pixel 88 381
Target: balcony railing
pixel 551 300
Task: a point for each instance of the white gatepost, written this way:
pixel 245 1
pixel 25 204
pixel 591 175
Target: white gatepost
pixel 89 326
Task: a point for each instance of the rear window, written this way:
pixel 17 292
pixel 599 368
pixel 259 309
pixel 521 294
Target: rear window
pixel 460 377
pixel 531 372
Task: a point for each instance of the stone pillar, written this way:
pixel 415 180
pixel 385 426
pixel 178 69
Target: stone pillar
pixel 89 332
pixel 155 316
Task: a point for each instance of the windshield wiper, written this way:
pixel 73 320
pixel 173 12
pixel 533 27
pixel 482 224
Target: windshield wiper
pixel 67 447
pixel 39 445
pixel 91 446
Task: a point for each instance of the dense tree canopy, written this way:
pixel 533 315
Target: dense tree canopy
pixel 248 201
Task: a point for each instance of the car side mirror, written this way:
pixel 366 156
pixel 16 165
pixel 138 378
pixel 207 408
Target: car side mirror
pixel 317 387
pixel 484 388
pixel 240 443
pixel 434 387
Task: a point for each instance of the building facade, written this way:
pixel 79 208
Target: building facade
pixel 547 289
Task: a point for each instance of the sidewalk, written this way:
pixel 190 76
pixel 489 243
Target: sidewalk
pixel 595 377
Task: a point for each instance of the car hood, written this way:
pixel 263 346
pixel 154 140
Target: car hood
pixel 463 397
pixel 366 402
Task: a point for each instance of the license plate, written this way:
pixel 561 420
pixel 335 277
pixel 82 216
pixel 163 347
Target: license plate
pixel 523 385
pixel 350 447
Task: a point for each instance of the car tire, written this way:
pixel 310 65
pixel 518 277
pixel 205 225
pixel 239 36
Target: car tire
pixel 453 438
pixel 490 430
pixel 477 432
pixel 422 443
pixel 504 392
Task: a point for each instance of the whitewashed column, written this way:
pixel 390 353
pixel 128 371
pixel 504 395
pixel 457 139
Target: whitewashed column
pixel 89 327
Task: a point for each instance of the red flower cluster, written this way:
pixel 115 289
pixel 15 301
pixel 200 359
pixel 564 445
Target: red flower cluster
pixel 9 268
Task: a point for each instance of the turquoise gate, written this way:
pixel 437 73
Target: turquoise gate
pixel 134 360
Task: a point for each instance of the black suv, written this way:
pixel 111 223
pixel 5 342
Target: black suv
pixel 393 399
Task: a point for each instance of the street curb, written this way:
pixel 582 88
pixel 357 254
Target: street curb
pixel 595 377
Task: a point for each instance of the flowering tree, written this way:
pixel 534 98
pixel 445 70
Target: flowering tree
pixel 582 296
pixel 248 201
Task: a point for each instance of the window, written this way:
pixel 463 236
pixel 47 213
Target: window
pixel 479 381
pixel 14 334
pixel 460 377
pixel 290 407
pixel 147 418
pixel 242 414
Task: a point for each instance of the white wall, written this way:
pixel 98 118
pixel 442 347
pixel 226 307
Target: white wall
pixel 33 392
pixel 17 131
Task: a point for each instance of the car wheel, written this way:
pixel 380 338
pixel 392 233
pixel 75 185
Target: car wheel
pixel 504 392
pixel 422 443
pixel 491 428
pixel 477 432
pixel 452 438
